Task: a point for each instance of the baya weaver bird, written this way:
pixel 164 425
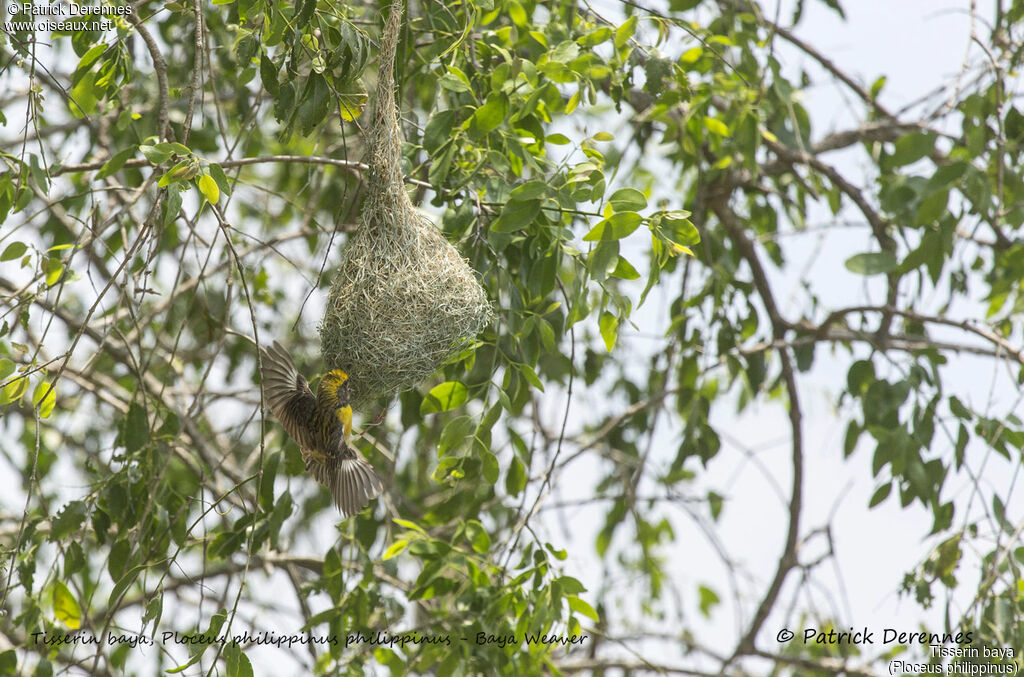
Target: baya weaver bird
pixel 321 425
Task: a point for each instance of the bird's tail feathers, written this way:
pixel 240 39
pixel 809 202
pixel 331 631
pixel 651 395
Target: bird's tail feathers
pixel 353 484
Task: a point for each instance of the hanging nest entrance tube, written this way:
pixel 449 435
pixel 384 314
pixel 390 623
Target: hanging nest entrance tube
pixel 403 299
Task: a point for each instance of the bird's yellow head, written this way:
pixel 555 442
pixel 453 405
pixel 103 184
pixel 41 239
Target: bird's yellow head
pixel 334 394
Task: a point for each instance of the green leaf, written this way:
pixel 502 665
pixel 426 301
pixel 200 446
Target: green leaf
pixel 572 103
pixel 564 52
pixel 488 464
pixel 448 469
pixel 881 493
pixel 154 610
pixel 236 663
pixel 708 600
pixel 13 391
pixel 134 428
pixel 459 75
pixel 932 208
pixel 115 163
pixel 529 191
pixel 25 196
pixel 568 584
pixel 488 116
pixel 624 270
pixel 117 562
pixel 14 250
pixel 860 377
pixel 67 521
pixel 873 263
pixel 438 131
pixel 804 356
pixel 616 227
pixel 516 215
pixel 172 205
pixel 515 477
pixel 911 148
pixel 83 99
pixel 691 55
pixel 1014 124
pixel 183 169
pixel 603 259
pixel 853 432
pixel 716 126
pixel 208 187
pixel 455 434
pixel 942 518
pixel 715 504
pixel 54 268
pixel 284 102
pixel 45 397
pixel 478 537
pixel 517 14
pixel 283 508
pixel 65 607
pixel 267 481
pixel 547 335
pixel 452 83
pixel 304 12
pixel 958 408
pixel 315 104
pixel 609 324
pixel 624 32
pixel 216 623
pixel 876 86
pixel 444 397
pixel 156 155
pixel 531 376
pixel 87 60
pixel 217 172
pixel 394 549
pixel 123 584
pixel 627 199
pixel 582 607
pixel 409 525
pixel 268 75
pixel 946 175
pixel 678 227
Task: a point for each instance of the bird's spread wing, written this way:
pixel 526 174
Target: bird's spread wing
pixel 289 396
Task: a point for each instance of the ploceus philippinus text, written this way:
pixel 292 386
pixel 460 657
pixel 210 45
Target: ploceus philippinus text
pixel 321 425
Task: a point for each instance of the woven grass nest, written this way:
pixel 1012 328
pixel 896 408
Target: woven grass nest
pixel 403 299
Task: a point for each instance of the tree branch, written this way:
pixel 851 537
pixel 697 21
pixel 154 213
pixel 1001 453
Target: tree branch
pixel 718 197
